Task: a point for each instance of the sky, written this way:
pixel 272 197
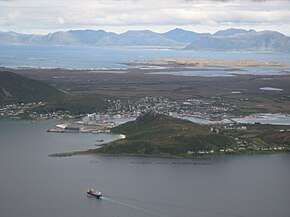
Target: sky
pixel 44 16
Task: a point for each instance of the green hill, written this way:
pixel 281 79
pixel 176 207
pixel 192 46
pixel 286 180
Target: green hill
pixel 15 88
pixel 160 135
pixel 75 105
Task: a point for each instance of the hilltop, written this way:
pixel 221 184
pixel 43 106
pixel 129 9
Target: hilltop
pixel 160 135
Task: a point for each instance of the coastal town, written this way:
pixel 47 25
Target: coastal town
pixel 133 107
pixel 215 115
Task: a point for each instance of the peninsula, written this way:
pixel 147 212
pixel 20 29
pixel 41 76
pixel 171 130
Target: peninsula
pixel 153 134
pixel 161 135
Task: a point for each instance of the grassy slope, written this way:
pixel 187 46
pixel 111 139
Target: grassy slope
pixel 75 105
pixel 15 89
pixel 155 134
pixel 264 135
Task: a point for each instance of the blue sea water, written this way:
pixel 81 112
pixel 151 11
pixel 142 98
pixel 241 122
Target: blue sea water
pixel 99 58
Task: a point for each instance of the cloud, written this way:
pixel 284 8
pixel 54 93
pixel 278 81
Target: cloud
pixel 233 0
pixel 120 15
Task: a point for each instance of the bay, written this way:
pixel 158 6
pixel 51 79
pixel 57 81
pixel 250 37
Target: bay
pixel 33 184
pixel 70 57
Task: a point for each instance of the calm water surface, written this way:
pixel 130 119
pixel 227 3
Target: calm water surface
pixel 98 58
pixel 33 184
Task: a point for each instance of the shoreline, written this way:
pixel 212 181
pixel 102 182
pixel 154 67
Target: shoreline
pixel 93 152
pixel 161 62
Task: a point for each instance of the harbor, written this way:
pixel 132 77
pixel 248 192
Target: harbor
pixel 91 123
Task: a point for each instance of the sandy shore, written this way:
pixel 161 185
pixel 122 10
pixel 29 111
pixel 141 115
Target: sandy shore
pixel 202 63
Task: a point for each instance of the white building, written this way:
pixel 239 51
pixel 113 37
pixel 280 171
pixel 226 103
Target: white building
pixel 91 118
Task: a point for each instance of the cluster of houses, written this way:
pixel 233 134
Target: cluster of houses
pixel 16 109
pixel 182 108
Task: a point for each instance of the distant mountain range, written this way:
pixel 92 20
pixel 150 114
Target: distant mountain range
pixel 224 40
pixel 242 40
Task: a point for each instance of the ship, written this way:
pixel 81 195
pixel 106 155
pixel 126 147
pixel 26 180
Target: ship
pixel 95 194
